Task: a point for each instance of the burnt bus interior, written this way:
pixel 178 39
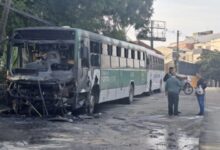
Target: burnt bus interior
pixel 42 71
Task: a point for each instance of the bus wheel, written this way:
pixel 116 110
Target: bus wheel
pixel 131 94
pixel 90 106
pixel 150 92
pixel 161 83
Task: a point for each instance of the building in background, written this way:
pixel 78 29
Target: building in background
pixel 192 47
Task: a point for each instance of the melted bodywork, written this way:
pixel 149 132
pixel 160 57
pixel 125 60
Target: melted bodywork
pixel 42 72
pixel 44 86
pixel 48 71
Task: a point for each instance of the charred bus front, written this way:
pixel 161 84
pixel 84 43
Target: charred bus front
pixel 44 70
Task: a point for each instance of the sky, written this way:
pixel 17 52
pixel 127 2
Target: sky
pixel 188 16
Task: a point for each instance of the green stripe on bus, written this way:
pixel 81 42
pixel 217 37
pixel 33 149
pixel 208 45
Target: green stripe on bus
pixel 112 78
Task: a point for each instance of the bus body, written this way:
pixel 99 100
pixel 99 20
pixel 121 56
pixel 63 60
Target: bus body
pixel 52 68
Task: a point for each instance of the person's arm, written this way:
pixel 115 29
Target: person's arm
pixel 165 77
pixel 181 78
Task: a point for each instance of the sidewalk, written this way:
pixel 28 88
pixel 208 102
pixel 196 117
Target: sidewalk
pixel 210 136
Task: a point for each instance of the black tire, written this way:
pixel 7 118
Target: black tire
pixel 188 90
pixel 161 83
pixel 131 95
pixel 150 92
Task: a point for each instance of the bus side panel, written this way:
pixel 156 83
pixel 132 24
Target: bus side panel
pixel 156 78
pixel 140 81
pixel 115 83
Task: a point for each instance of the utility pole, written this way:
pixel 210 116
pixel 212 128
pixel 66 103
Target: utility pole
pixel 157 32
pixel 152 34
pixel 177 51
pixel 4 19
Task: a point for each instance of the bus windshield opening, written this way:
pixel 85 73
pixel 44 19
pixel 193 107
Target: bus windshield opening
pixel 42 56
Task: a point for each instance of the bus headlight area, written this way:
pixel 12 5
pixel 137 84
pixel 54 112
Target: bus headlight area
pixel 40 97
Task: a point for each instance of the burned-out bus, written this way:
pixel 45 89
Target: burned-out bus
pixel 54 69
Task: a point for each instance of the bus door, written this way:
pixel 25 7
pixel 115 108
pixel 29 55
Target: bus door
pixel 83 68
pixel 95 62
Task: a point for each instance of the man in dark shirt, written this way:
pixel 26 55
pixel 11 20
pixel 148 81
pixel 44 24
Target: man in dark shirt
pixel 169 74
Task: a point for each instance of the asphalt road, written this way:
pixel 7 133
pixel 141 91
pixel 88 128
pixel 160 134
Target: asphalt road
pixel 210 135
pixel 144 125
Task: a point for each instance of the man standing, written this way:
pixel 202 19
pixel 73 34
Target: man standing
pixel 172 89
pixel 169 75
pixel 200 94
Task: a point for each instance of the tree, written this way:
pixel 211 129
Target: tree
pixel 209 65
pixel 109 17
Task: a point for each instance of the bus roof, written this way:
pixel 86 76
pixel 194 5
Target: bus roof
pixel 98 37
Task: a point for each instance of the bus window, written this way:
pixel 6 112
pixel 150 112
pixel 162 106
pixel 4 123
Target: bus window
pixel 118 51
pixel 139 55
pixel 95 50
pixel 95 60
pixel 144 56
pixel 95 47
pixel 84 54
pixel 132 54
pixel 126 53
pixel 109 50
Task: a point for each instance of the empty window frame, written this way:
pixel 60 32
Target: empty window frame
pixel 144 56
pixel 109 48
pixel 138 55
pixel 126 53
pixel 118 51
pixel 132 54
pixel 95 47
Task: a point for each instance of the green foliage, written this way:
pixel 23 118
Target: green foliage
pixel 209 65
pixel 109 17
